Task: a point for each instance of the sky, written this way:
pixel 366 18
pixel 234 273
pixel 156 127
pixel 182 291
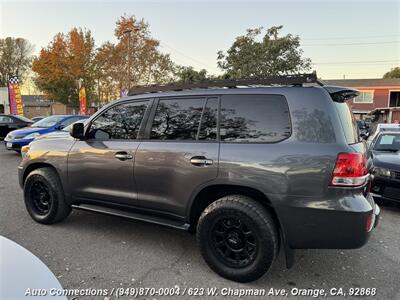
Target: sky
pixel 344 39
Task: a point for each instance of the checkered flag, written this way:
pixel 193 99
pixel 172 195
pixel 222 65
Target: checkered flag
pixel 13 80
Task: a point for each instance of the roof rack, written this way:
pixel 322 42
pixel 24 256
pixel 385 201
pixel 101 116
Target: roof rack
pixel 297 80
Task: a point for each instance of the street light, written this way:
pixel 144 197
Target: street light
pixel 128 32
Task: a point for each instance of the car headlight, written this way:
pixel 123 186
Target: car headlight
pixel 381 172
pixel 32 135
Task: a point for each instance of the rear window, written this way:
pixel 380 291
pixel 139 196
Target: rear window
pixel 254 118
pixel 349 123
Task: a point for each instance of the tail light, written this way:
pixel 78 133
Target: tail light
pixel 350 170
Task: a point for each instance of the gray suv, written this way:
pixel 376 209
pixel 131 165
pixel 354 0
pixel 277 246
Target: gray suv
pixel 251 167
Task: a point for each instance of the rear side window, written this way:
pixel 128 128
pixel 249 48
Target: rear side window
pixel 349 123
pixel 208 127
pixel 254 118
pixel 177 119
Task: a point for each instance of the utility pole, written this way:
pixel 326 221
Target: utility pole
pixel 128 32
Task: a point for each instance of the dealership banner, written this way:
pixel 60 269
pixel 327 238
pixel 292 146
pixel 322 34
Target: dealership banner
pixel 14 97
pixel 82 101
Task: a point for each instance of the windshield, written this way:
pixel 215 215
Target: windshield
pixel 69 127
pixel 24 119
pixel 388 142
pixel 48 122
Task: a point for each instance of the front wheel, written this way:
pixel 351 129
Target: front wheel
pixel 44 196
pixel 238 238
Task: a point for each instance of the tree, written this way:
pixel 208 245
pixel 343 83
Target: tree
pixel 15 58
pixel 271 55
pixel 393 73
pixel 68 58
pixel 136 55
pixel 189 75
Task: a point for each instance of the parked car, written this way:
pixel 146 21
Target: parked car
pixel 381 127
pixel 11 122
pixel 251 170
pixel 32 274
pixel 384 161
pixel 36 119
pixel 18 138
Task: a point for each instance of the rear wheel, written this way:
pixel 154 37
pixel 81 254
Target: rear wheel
pixel 238 238
pixel 44 196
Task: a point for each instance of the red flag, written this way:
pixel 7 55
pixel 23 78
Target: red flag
pixel 82 101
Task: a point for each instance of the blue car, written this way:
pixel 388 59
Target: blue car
pixel 21 137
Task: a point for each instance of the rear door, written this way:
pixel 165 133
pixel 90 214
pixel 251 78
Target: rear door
pixel 101 167
pixel 179 154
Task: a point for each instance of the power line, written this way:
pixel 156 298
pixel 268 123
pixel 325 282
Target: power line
pixel 200 63
pixel 358 62
pixel 354 44
pixel 349 37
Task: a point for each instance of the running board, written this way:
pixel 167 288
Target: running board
pixel 132 215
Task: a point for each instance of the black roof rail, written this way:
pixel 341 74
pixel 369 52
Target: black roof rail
pixel 296 79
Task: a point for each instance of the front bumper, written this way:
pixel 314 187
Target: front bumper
pixel 16 145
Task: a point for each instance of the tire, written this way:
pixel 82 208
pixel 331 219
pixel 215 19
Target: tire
pixel 43 186
pixel 244 227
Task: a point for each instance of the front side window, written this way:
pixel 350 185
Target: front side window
pixel 120 122
pixel 254 118
pixel 177 119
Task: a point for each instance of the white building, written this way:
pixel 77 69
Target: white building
pixel 4 103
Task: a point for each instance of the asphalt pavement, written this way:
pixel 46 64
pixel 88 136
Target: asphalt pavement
pixel 95 251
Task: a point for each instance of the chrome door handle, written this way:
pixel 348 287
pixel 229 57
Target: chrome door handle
pixel 123 156
pixel 201 161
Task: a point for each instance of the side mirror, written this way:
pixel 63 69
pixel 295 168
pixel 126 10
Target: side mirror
pixel 78 131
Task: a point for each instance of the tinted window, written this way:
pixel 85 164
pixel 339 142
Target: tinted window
pixel 349 123
pixel 177 119
pixel 254 118
pixel 208 127
pixel 121 122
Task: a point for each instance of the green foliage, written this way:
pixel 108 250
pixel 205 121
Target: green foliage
pixel 393 73
pixel 190 75
pixel 253 55
pixel 15 58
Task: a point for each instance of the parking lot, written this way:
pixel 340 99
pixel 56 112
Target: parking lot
pixel 97 251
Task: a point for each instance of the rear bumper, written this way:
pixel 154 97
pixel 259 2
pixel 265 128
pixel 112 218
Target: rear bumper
pixel 331 224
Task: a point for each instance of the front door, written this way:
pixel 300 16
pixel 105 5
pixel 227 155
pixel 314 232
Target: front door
pixel 180 153
pixel 101 167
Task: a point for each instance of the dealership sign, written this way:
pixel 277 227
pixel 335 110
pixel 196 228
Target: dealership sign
pixel 82 101
pixel 14 96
